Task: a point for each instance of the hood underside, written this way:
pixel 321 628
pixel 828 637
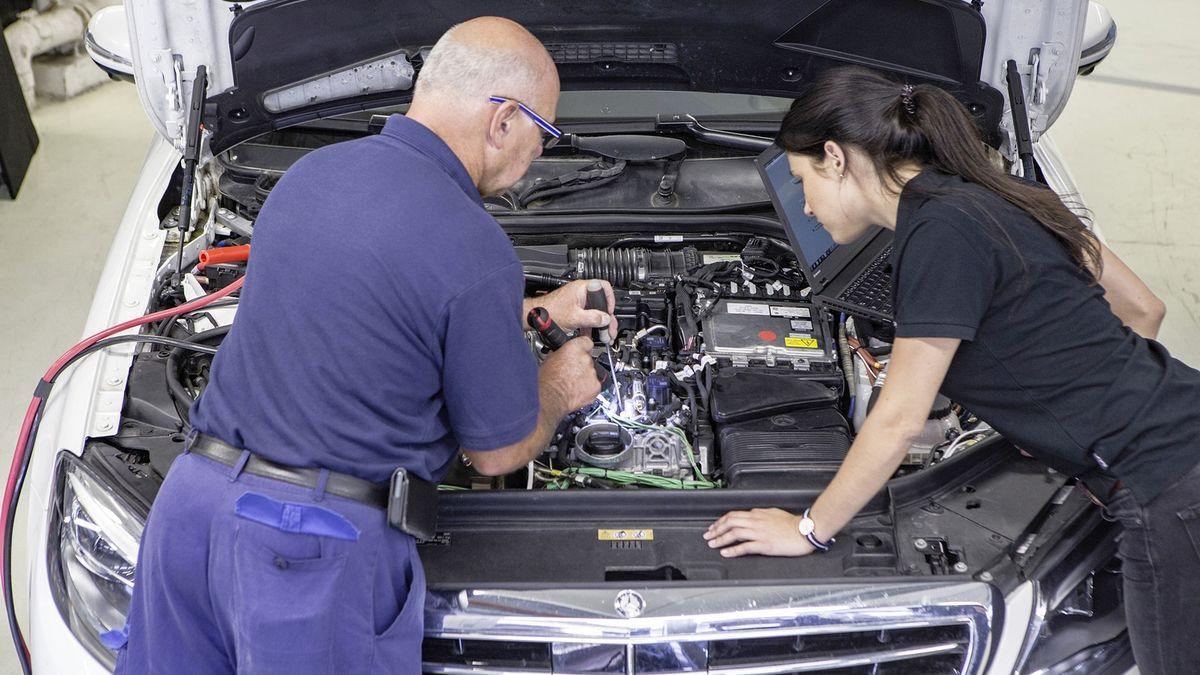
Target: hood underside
pixel 278 62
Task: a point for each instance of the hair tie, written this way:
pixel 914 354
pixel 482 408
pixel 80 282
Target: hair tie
pixel 906 96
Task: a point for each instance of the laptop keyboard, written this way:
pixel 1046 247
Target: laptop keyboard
pixel 873 288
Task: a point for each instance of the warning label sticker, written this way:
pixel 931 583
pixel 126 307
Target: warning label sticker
pixel 748 308
pixel 801 342
pixel 625 535
pixel 793 312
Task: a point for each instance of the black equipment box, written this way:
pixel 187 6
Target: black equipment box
pixel 796 450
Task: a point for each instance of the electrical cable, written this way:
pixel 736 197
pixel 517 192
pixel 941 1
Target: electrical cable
pixel 175 386
pixel 28 436
pixel 959 442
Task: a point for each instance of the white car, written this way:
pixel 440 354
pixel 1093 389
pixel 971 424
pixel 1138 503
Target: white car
pixel 974 559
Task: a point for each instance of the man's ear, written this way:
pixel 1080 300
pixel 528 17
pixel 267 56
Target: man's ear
pixel 501 123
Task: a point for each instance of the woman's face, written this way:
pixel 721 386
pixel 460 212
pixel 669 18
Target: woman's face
pixel 836 197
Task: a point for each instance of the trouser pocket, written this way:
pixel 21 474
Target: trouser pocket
pixel 1191 523
pixel 289 587
pixel 398 640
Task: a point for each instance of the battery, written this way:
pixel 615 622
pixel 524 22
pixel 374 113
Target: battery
pixel 769 333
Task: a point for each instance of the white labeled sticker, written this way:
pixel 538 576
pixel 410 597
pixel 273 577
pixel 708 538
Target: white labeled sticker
pixel 721 257
pixel 792 312
pixel 668 238
pixel 802 326
pixel 748 308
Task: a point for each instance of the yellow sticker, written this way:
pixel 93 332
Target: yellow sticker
pixel 802 343
pixel 625 535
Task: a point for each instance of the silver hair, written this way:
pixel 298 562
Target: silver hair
pixel 465 72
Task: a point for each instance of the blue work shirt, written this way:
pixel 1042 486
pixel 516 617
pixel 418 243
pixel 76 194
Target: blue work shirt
pixel 380 324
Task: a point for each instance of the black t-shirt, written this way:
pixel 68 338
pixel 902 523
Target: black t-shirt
pixel 1043 359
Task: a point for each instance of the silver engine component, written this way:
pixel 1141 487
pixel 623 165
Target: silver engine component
pixel 610 446
pixel 603 444
pixel 661 453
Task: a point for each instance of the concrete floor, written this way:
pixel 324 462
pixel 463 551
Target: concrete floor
pixel 1129 133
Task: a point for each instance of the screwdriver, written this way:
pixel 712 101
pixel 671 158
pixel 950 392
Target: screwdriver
pixel 553 336
pixel 597 300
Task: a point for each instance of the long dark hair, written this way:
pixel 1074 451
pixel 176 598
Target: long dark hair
pixel 895 124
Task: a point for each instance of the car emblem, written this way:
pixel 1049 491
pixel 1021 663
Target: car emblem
pixel 629 604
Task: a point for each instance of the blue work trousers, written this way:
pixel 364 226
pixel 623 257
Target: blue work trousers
pixel 239 573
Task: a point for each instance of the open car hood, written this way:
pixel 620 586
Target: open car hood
pixel 274 63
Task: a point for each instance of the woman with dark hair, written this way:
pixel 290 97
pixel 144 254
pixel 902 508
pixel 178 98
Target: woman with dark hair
pixel 1007 303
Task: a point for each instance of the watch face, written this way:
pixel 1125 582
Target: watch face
pixel 807 526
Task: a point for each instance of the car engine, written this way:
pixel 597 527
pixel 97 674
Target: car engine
pixel 710 343
pixel 723 374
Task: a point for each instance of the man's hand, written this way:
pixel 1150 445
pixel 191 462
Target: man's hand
pixel 566 307
pixel 567 379
pixel 759 531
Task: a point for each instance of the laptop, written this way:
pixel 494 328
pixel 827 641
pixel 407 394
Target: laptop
pixel 853 278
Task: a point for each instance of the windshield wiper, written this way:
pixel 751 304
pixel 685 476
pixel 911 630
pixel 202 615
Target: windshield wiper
pixel 593 176
pixel 687 124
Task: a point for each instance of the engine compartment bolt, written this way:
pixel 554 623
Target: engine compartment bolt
pixel 985 576
pixel 921 544
pixel 960 567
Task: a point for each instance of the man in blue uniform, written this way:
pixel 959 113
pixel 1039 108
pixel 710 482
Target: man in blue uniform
pixel 380 327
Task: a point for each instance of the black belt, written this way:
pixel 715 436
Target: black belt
pixel 338 484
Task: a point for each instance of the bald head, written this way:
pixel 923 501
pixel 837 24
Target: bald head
pixel 473 61
pixel 487 56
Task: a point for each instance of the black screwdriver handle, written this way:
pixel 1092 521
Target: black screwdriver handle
pixel 552 336
pixel 596 299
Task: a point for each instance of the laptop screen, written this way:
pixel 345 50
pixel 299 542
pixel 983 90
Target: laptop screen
pixel 806 233
pixel 823 258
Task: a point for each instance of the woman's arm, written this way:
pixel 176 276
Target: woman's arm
pixel 915 374
pixel 1131 300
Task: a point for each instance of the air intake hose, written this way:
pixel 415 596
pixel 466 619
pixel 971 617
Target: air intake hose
pixel 625 266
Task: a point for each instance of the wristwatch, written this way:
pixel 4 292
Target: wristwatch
pixel 807 527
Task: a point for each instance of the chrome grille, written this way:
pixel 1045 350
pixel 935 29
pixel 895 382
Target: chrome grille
pixel 920 627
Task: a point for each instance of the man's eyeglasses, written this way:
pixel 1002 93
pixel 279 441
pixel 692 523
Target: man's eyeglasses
pixel 552 133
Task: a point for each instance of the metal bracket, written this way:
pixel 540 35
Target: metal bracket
pixel 1037 77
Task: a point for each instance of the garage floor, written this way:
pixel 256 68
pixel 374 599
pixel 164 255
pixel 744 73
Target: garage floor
pixel 1129 133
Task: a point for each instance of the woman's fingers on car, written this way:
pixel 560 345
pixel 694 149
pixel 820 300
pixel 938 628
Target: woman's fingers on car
pixel 760 531
pixel 726 522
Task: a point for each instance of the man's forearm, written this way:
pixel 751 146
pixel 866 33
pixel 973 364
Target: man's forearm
pixel 505 460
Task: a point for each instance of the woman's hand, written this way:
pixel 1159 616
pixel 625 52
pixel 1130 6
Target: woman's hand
pixel 758 531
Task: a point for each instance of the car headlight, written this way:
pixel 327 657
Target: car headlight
pixel 98 532
pixel 1078 624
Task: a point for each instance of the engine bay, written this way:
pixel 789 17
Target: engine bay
pixel 724 372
